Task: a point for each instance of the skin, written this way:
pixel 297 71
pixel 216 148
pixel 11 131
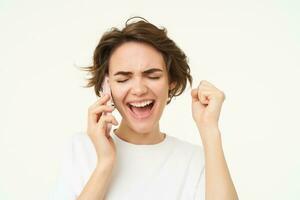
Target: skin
pixel 206 106
pixel 137 58
pixel 207 102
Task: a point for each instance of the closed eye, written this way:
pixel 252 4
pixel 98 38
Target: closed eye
pixel 154 77
pixel 127 79
pixel 121 81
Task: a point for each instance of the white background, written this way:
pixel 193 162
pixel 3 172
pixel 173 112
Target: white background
pixel 248 49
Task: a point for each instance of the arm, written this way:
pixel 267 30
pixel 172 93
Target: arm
pixel 217 177
pixel 207 102
pixel 99 119
pixel 97 185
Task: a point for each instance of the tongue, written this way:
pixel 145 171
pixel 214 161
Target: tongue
pixel 141 112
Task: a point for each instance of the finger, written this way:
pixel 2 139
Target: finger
pixel 101 101
pixel 205 87
pixel 194 94
pixel 108 100
pixel 207 83
pixel 105 119
pixel 204 96
pixel 95 113
pixel 197 93
pixel 212 92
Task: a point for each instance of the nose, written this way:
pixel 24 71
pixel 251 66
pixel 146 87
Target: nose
pixel 139 88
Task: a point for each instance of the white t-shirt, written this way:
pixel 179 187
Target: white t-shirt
pixel 171 169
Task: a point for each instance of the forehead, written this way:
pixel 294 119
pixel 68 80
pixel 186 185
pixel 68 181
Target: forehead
pixel 135 56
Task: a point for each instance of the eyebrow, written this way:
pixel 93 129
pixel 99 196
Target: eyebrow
pixel 149 71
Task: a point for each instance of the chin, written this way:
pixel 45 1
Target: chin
pixel 142 127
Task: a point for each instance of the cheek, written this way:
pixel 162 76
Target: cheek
pixel 118 97
pixel 119 93
pixel 160 88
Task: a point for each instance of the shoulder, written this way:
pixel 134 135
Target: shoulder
pixel 79 139
pixel 79 136
pixel 185 145
pixel 194 151
pixel 81 146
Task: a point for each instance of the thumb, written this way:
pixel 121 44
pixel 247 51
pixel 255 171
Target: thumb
pixel 194 94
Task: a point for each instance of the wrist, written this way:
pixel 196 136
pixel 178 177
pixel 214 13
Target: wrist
pixel 207 125
pixel 210 135
pixel 105 164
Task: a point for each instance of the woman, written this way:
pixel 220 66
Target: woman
pixel 145 70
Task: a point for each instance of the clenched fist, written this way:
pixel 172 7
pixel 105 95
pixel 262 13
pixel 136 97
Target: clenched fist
pixel 207 102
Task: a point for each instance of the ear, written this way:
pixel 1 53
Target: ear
pixel 172 86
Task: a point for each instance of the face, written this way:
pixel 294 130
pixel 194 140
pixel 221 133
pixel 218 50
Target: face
pixel 137 72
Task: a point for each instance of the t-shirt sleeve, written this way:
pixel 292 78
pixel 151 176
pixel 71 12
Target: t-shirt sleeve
pixel 63 188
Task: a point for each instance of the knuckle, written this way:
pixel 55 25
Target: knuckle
pixel 106 118
pixel 224 96
pixel 109 118
pixel 90 109
pixel 102 120
pixel 203 81
pixel 100 109
pixel 221 94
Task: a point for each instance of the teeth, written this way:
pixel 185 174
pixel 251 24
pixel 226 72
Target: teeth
pixel 142 104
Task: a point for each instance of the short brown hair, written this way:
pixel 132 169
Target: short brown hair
pixel 140 31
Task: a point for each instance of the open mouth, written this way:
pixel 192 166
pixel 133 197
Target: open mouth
pixel 141 112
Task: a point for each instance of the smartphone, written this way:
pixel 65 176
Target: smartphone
pixel 106 90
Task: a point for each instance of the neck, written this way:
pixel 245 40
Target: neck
pixel 127 134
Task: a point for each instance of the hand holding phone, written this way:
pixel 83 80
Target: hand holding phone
pixel 100 121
